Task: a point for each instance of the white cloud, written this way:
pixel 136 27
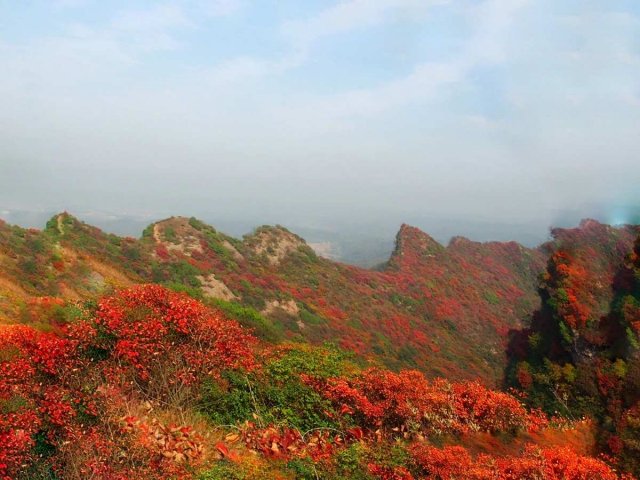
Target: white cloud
pixel 220 8
pixel 569 90
pixel 70 3
pixel 492 20
pixel 301 34
pixel 350 15
pixel 160 17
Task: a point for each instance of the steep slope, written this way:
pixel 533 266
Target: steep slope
pixel 581 354
pixel 479 290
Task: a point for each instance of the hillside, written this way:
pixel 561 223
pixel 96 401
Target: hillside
pixel 581 354
pixel 411 313
pixel 151 384
pixel 163 381
pixel 444 310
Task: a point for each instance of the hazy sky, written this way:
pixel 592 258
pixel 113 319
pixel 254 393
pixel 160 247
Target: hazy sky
pixel 507 110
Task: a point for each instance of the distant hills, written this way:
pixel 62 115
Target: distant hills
pixel 366 241
pixel 446 310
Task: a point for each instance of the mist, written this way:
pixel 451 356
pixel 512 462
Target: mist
pixel 494 119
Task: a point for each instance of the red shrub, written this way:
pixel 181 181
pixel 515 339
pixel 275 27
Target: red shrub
pixel 407 401
pixel 64 390
pixel 533 464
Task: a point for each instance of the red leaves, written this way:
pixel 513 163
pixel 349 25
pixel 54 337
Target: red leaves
pixel 345 409
pixel 162 252
pixel 534 463
pixel 407 402
pixel 222 449
pixel 570 286
pixel 16 441
pixel 284 443
pixel 389 473
pixel 147 335
pixel 52 384
pixel 524 377
pixel 148 326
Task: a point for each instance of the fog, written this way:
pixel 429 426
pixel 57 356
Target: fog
pixel 493 119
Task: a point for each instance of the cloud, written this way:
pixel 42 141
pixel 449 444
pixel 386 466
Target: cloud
pixel 492 20
pixel 301 34
pixel 220 8
pixel 158 18
pixel 531 103
pixel 350 15
pixel 83 55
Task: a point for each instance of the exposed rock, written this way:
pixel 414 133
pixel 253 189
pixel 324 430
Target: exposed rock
pixel 325 249
pixel 185 239
pixel 214 288
pixel 275 243
pixel 289 306
pixel 236 254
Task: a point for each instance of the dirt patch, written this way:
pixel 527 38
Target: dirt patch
pixel 96 281
pixel 212 287
pixel 288 306
pixel 108 273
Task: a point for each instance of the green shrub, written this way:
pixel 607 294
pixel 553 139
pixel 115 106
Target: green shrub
pixel 349 463
pixel 224 470
pixel 170 234
pixel 303 468
pixel 276 394
pixel 249 317
pixel 183 272
pixel 193 292
pixel 310 318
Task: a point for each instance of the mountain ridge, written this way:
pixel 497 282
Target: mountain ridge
pixel 411 312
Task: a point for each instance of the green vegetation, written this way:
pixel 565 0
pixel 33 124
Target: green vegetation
pixel 248 317
pixel 277 395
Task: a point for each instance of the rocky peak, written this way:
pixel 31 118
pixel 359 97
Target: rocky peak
pixel 412 239
pixel 275 243
pixel 176 234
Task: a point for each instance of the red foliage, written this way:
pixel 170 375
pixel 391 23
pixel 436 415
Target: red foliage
pixel 63 387
pixel 533 464
pixel 285 443
pixel 568 283
pixel 149 325
pixel 406 402
pixel 389 473
pixel 162 252
pixel 524 377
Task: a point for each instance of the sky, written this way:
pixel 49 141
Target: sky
pixel 319 112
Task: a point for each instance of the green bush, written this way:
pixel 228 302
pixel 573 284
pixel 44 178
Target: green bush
pixel 249 317
pixel 224 470
pixel 349 463
pixel 276 394
pixel 193 292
